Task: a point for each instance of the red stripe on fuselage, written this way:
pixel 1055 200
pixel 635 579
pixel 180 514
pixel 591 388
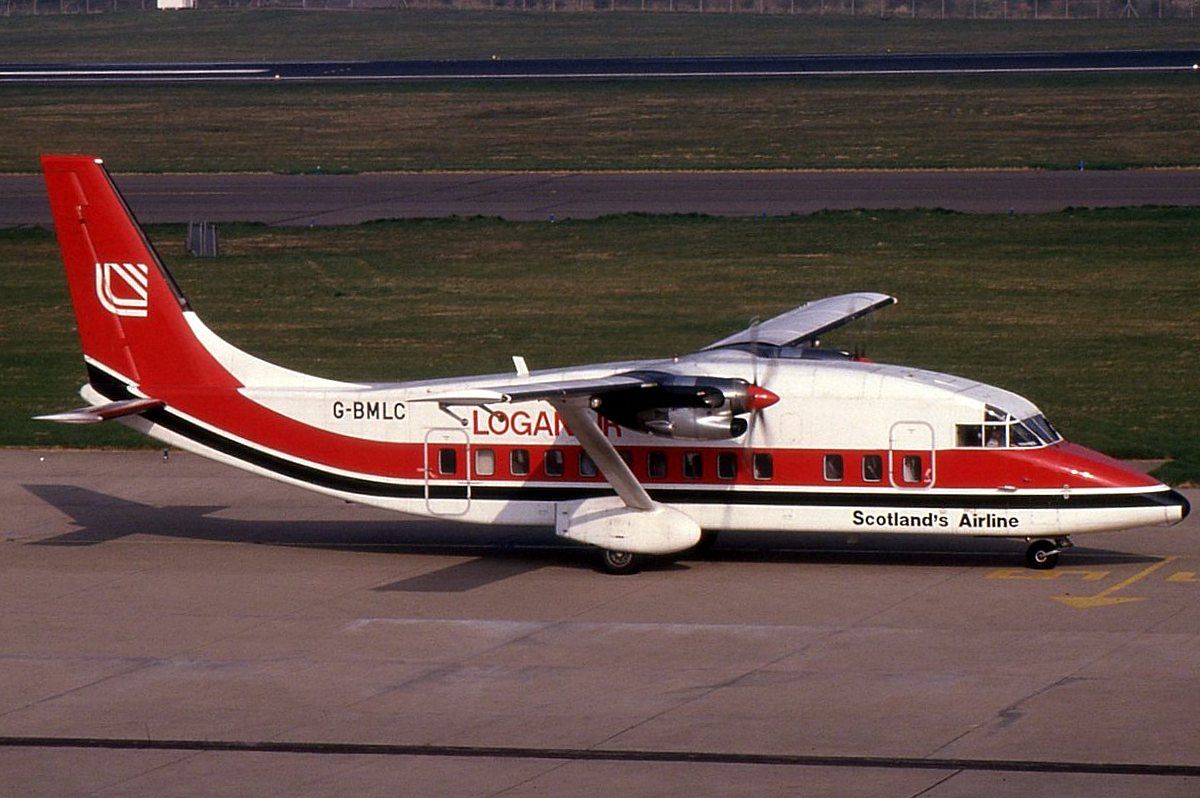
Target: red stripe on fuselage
pixel 1050 467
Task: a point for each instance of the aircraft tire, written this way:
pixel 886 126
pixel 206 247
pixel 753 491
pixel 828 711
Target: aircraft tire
pixel 620 563
pixel 1042 555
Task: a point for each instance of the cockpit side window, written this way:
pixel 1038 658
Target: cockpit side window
pixel 1003 430
pixel 969 435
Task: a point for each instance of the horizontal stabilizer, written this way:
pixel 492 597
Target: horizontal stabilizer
pixel 106 412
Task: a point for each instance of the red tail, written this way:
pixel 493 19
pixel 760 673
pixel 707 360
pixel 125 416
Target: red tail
pixel 130 311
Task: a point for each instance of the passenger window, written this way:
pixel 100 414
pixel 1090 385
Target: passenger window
pixel 872 468
pixel 656 462
pixel 912 468
pixel 627 457
pixel 518 462
pixel 726 465
pixel 834 468
pixel 485 462
pixel 764 466
pixel 447 461
pixel 553 463
pixel 969 435
pixel 693 465
pixel 587 466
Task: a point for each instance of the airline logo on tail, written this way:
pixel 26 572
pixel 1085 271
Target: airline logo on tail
pixel 122 288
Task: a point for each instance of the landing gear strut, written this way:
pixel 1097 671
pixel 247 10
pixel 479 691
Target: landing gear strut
pixel 620 563
pixel 1042 555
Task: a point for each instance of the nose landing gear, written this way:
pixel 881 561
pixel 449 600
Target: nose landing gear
pixel 1042 555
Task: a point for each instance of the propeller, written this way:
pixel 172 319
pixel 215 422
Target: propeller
pixel 754 323
pixel 758 398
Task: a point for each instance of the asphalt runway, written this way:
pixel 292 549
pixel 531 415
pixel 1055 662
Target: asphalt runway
pixel 645 68
pixel 178 628
pixel 350 199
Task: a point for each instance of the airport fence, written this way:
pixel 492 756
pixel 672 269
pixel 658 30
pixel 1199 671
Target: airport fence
pixel 922 9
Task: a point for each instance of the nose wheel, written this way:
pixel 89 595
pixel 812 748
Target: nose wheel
pixel 1042 555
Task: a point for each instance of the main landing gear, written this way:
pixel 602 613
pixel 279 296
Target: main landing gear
pixel 621 563
pixel 1042 555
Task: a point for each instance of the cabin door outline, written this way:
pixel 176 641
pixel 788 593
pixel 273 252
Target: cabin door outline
pixel 908 440
pixel 447 494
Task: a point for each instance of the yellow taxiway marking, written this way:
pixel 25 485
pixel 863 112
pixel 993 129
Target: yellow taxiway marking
pixel 1105 598
pixel 1183 576
pixel 1045 576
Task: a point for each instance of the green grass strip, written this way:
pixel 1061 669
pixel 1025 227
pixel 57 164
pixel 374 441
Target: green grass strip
pixel 1106 121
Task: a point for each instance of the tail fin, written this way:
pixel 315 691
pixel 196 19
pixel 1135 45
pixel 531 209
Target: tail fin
pixel 130 311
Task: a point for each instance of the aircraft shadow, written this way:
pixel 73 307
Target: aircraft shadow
pixel 502 552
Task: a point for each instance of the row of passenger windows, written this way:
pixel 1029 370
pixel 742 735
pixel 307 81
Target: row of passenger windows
pixel 554 464
pixel 871 465
pixel 692 465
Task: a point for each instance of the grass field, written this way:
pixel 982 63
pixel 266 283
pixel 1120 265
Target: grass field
pixel 351 35
pixel 1090 314
pixel 1115 121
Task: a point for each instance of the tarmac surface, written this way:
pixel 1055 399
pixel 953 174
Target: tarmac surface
pixel 175 627
pixel 625 68
pixel 350 199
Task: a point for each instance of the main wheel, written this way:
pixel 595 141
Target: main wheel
pixel 1042 555
pixel 620 562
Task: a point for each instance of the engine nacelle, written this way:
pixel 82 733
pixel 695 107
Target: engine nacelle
pixel 696 408
pixel 693 423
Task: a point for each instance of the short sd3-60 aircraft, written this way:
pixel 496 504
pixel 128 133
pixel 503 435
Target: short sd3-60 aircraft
pixel 762 430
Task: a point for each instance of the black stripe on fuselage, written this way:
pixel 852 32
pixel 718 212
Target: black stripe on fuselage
pixel 114 389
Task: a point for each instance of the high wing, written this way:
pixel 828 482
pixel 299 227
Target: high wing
pixel 809 321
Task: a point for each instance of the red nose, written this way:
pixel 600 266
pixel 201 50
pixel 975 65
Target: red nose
pixel 758 397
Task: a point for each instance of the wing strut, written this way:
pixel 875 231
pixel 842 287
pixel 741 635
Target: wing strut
pixel 601 450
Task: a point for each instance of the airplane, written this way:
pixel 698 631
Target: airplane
pixel 760 430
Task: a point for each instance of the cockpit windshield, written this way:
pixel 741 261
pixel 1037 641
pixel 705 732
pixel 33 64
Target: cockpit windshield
pixel 1004 430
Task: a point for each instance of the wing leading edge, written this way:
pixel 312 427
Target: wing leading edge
pixel 809 321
